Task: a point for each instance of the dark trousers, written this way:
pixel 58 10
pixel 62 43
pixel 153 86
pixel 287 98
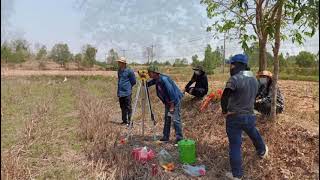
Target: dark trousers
pixel 197 92
pixel 126 109
pixel 234 127
pixel 265 108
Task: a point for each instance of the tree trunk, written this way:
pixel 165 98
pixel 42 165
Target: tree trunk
pixel 276 61
pixel 262 36
pixel 262 54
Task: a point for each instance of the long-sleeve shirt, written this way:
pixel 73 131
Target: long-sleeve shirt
pixel 167 91
pixel 200 80
pixel 126 80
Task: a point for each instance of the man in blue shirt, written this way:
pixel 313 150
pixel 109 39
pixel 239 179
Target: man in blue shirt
pixel 237 103
pixel 126 80
pixel 171 96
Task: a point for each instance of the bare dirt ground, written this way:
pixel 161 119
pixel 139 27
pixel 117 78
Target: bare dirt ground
pixel 55 73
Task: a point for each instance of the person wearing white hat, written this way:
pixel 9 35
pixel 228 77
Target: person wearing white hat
pixel 126 80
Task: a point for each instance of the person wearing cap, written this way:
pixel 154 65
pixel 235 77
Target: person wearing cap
pixel 200 79
pixel 237 103
pixel 126 80
pixel 170 95
pixel 263 99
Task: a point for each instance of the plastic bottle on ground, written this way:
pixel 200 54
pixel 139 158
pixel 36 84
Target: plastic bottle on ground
pixel 194 170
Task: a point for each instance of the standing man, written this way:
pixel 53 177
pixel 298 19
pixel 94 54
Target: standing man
pixel 126 80
pixel 199 77
pixel 237 104
pixel 171 96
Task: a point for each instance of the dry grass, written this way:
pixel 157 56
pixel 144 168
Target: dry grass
pixel 72 132
pixel 13 160
pixel 287 160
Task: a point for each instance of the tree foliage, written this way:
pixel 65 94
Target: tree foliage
pixel 42 53
pixel 89 55
pixel 112 57
pixel 208 62
pixel 212 59
pixel 195 60
pixel 305 59
pixel 255 21
pixel 61 54
pixel 78 60
pixel 16 51
pixel 6 52
pixel 180 62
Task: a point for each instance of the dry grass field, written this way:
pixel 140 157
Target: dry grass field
pixel 52 129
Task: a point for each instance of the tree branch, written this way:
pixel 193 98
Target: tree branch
pixel 229 9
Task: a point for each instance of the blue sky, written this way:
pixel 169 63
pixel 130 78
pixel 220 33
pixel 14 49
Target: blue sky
pixel 177 29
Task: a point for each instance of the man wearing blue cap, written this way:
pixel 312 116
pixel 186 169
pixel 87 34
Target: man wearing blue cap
pixel 237 103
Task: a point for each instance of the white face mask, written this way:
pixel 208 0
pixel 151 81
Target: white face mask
pixel 197 72
pixel 263 80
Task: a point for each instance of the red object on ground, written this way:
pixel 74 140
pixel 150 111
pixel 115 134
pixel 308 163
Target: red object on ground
pixel 154 170
pixel 123 141
pixel 211 97
pixel 137 154
pixel 202 172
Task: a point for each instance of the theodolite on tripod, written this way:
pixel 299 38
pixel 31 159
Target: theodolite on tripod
pixel 145 99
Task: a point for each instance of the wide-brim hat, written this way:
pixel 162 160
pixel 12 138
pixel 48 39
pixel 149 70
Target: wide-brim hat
pixel 264 73
pixel 199 68
pixel 122 60
pixel 153 68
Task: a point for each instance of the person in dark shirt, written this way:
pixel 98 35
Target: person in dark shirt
pixel 126 80
pixel 170 95
pixel 237 104
pixel 263 99
pixel 201 83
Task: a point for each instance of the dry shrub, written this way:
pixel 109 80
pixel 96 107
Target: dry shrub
pixel 31 124
pixel 109 160
pixel 14 160
pixel 12 167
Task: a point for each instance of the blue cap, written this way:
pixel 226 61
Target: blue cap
pixel 242 58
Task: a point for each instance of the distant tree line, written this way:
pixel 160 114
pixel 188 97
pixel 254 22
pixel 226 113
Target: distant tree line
pixel 18 51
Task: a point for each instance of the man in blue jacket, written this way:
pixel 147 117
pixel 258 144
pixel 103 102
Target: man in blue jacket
pixel 171 96
pixel 126 80
pixel 237 103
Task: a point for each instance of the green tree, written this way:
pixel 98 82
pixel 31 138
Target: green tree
pixel 195 60
pixel 180 62
pixel 256 20
pixel 253 55
pixel 42 53
pixel 167 63
pixel 217 56
pixel 305 59
pixel 89 55
pixel 78 60
pixel 20 51
pixel 282 61
pixel 208 62
pixel 112 57
pixel 6 52
pixel 61 54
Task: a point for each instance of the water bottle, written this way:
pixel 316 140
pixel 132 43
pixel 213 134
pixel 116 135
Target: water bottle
pixel 194 170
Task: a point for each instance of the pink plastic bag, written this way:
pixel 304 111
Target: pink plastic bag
pixel 142 154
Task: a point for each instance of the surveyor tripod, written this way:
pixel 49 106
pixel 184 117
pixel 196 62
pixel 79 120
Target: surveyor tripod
pixel 145 99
